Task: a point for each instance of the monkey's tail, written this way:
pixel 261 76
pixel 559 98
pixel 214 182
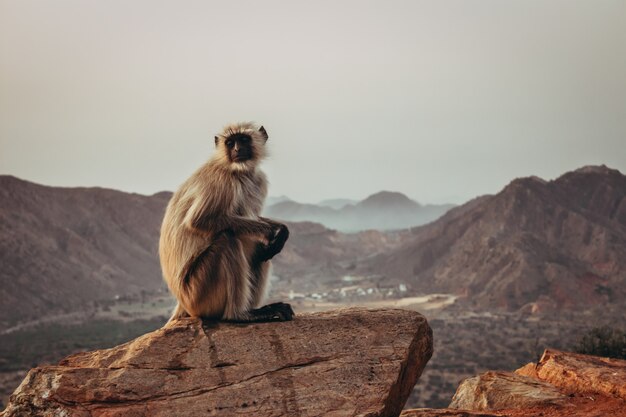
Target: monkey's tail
pixel 178 313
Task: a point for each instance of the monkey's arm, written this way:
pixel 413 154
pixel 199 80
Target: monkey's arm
pixel 209 214
pixel 274 223
pixel 244 225
pixel 237 224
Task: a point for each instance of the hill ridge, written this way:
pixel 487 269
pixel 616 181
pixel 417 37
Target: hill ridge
pixel 534 244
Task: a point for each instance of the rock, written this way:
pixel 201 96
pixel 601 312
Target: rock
pixel 445 412
pixel 352 362
pixel 562 384
pixel 576 373
pixel 500 390
pixel 529 370
pixel 579 407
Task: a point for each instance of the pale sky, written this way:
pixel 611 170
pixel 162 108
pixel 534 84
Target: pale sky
pixel 441 100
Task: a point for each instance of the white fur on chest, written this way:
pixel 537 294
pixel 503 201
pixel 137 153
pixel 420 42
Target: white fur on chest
pixel 248 197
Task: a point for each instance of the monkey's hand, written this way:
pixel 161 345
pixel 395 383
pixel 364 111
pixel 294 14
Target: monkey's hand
pixel 276 241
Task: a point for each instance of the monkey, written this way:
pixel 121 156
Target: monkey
pixel 215 248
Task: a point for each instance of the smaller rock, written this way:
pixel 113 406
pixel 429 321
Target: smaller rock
pixel 495 390
pixel 446 412
pixel 530 370
pixel 577 373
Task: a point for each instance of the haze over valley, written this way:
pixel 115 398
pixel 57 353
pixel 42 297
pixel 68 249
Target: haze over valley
pixel 381 211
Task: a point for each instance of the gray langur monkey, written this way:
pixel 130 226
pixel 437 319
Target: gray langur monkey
pixel 215 249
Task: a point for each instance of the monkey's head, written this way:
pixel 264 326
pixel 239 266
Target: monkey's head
pixel 241 146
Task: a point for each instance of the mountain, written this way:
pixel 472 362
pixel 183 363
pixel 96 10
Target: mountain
pixel 536 244
pixel 294 211
pixel 388 199
pixel 270 200
pixel 336 203
pixel 381 211
pixel 61 248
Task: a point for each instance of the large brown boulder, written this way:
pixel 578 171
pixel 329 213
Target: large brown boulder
pixel 352 362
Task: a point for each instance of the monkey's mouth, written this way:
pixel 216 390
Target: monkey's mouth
pixel 240 158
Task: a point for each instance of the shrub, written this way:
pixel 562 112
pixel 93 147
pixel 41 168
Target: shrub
pixel 603 341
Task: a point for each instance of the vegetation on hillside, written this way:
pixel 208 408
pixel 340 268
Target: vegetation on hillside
pixel 603 341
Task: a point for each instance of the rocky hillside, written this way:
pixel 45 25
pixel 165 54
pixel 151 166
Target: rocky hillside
pixel 63 247
pixel 537 244
pixel 314 252
pixel 381 211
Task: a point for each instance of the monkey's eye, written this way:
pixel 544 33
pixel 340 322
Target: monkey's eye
pixel 230 143
pixel 245 139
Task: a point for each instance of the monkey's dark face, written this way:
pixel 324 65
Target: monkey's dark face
pixel 239 147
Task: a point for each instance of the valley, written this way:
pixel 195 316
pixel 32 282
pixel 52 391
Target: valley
pixel 466 342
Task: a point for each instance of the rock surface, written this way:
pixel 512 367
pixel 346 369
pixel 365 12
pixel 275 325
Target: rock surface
pixel 352 362
pixel 499 390
pixel 432 412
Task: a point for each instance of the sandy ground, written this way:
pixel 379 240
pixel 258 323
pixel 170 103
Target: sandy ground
pixel 421 303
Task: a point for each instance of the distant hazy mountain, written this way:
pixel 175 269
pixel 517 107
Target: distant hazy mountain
pixel 274 200
pixel 537 244
pixel 382 211
pixel 336 203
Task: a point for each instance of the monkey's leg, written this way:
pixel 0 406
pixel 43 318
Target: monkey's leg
pixel 240 288
pixel 203 291
pixel 252 274
pixel 178 313
pixel 260 271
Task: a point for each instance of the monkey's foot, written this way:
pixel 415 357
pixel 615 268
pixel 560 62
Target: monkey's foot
pixel 270 312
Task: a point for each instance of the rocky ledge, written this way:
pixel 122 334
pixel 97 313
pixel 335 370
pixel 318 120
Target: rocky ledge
pixel 561 384
pixel 352 362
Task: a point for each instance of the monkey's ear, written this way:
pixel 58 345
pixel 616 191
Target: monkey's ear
pixel 263 132
pixel 216 139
